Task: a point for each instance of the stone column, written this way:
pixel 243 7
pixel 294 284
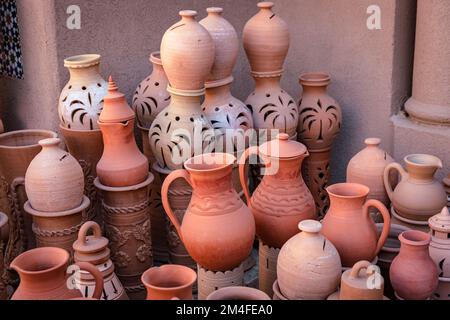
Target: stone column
pixel 430 101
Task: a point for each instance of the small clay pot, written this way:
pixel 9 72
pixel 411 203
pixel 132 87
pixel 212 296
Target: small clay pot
pixel 238 293
pixel 169 282
pixel 362 282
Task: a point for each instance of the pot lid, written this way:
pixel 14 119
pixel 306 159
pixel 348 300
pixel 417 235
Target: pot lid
pixel 358 275
pixel 441 221
pixel 92 243
pixel 115 107
pixel 282 147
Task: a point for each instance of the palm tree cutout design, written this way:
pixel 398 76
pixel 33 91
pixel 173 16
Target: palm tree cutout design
pixel 144 105
pixel 319 123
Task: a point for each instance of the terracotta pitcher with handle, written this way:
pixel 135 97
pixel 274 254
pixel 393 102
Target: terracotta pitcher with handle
pixel 348 224
pixel 218 229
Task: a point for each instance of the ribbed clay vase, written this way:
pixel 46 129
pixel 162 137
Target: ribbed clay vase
pixel 418 195
pixel 319 123
pixel 81 100
pixel 215 211
pixel 122 164
pixel 54 180
pixel 414 275
pixel 348 224
pixel 282 199
pixel 309 267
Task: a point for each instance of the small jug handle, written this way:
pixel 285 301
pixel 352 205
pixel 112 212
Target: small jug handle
pixel 89 225
pixel 387 184
pixel 354 273
pixel 180 173
pixel 386 221
pixel 242 174
pixel 98 277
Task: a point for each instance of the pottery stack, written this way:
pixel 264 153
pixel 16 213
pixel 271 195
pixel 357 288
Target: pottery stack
pixel 279 202
pixel 80 104
pixel 181 129
pixel 217 229
pixel 124 181
pixel 418 195
pixel 54 183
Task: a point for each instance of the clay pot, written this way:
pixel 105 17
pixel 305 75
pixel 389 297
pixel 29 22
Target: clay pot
pixel 238 293
pixel 215 211
pixel 210 281
pixel 440 242
pixel 266 41
pixel 272 107
pixel 446 182
pixel 94 249
pixel 367 168
pixel 348 224
pixel 362 282
pixel 443 290
pixel 277 295
pixel 43 275
pixel 81 99
pixel 413 273
pixel 282 199
pixel 226 44
pixel 418 195
pixel 316 108
pixel 151 95
pixel 187 53
pixel 54 180
pixel 309 267
pixel 4 227
pixel 169 282
pixel 122 164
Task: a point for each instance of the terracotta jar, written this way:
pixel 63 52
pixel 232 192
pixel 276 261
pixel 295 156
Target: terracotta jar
pixel 348 224
pixel 43 276
pixel 215 211
pixel 122 164
pixel 362 282
pixel 309 267
pixel 440 242
pixel 413 273
pixel 169 282
pixel 238 293
pixel 282 199
pixel 418 195
pixel 266 41
pixel 367 168
pixel 81 100
pixel 319 123
pixel 94 249
pixel 54 180
pixel 151 95
pixel 187 53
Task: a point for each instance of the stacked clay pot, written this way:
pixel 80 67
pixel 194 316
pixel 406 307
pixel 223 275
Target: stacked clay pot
pixel 309 266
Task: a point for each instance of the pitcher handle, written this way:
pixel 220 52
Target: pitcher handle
pixel 387 184
pixel 386 220
pixel 242 176
pixel 180 173
pixel 98 277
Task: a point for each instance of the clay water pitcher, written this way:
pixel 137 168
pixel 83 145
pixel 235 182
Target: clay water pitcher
pixel 43 275
pixel 418 195
pixel 348 224
pixel 218 229
pixel 122 164
pixel 282 199
pixel 362 282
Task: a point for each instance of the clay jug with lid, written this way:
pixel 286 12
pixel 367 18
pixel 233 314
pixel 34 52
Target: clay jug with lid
pixel 440 242
pixel 282 199
pixel 309 266
pixel 413 274
pixel 187 53
pixel 418 195
pixel 348 224
pixel 122 164
pixel 218 229
pixel 367 168
pixel 266 41
pixel 54 180
pixel 362 282
pixel 81 99
pixel 43 275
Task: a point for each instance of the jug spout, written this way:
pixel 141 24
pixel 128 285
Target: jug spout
pixel 422 166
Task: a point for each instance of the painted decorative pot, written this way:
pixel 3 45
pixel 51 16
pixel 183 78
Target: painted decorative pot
pixel 348 224
pixel 440 242
pixel 215 211
pixel 81 99
pixel 309 267
pixel 418 195
pixel 282 199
